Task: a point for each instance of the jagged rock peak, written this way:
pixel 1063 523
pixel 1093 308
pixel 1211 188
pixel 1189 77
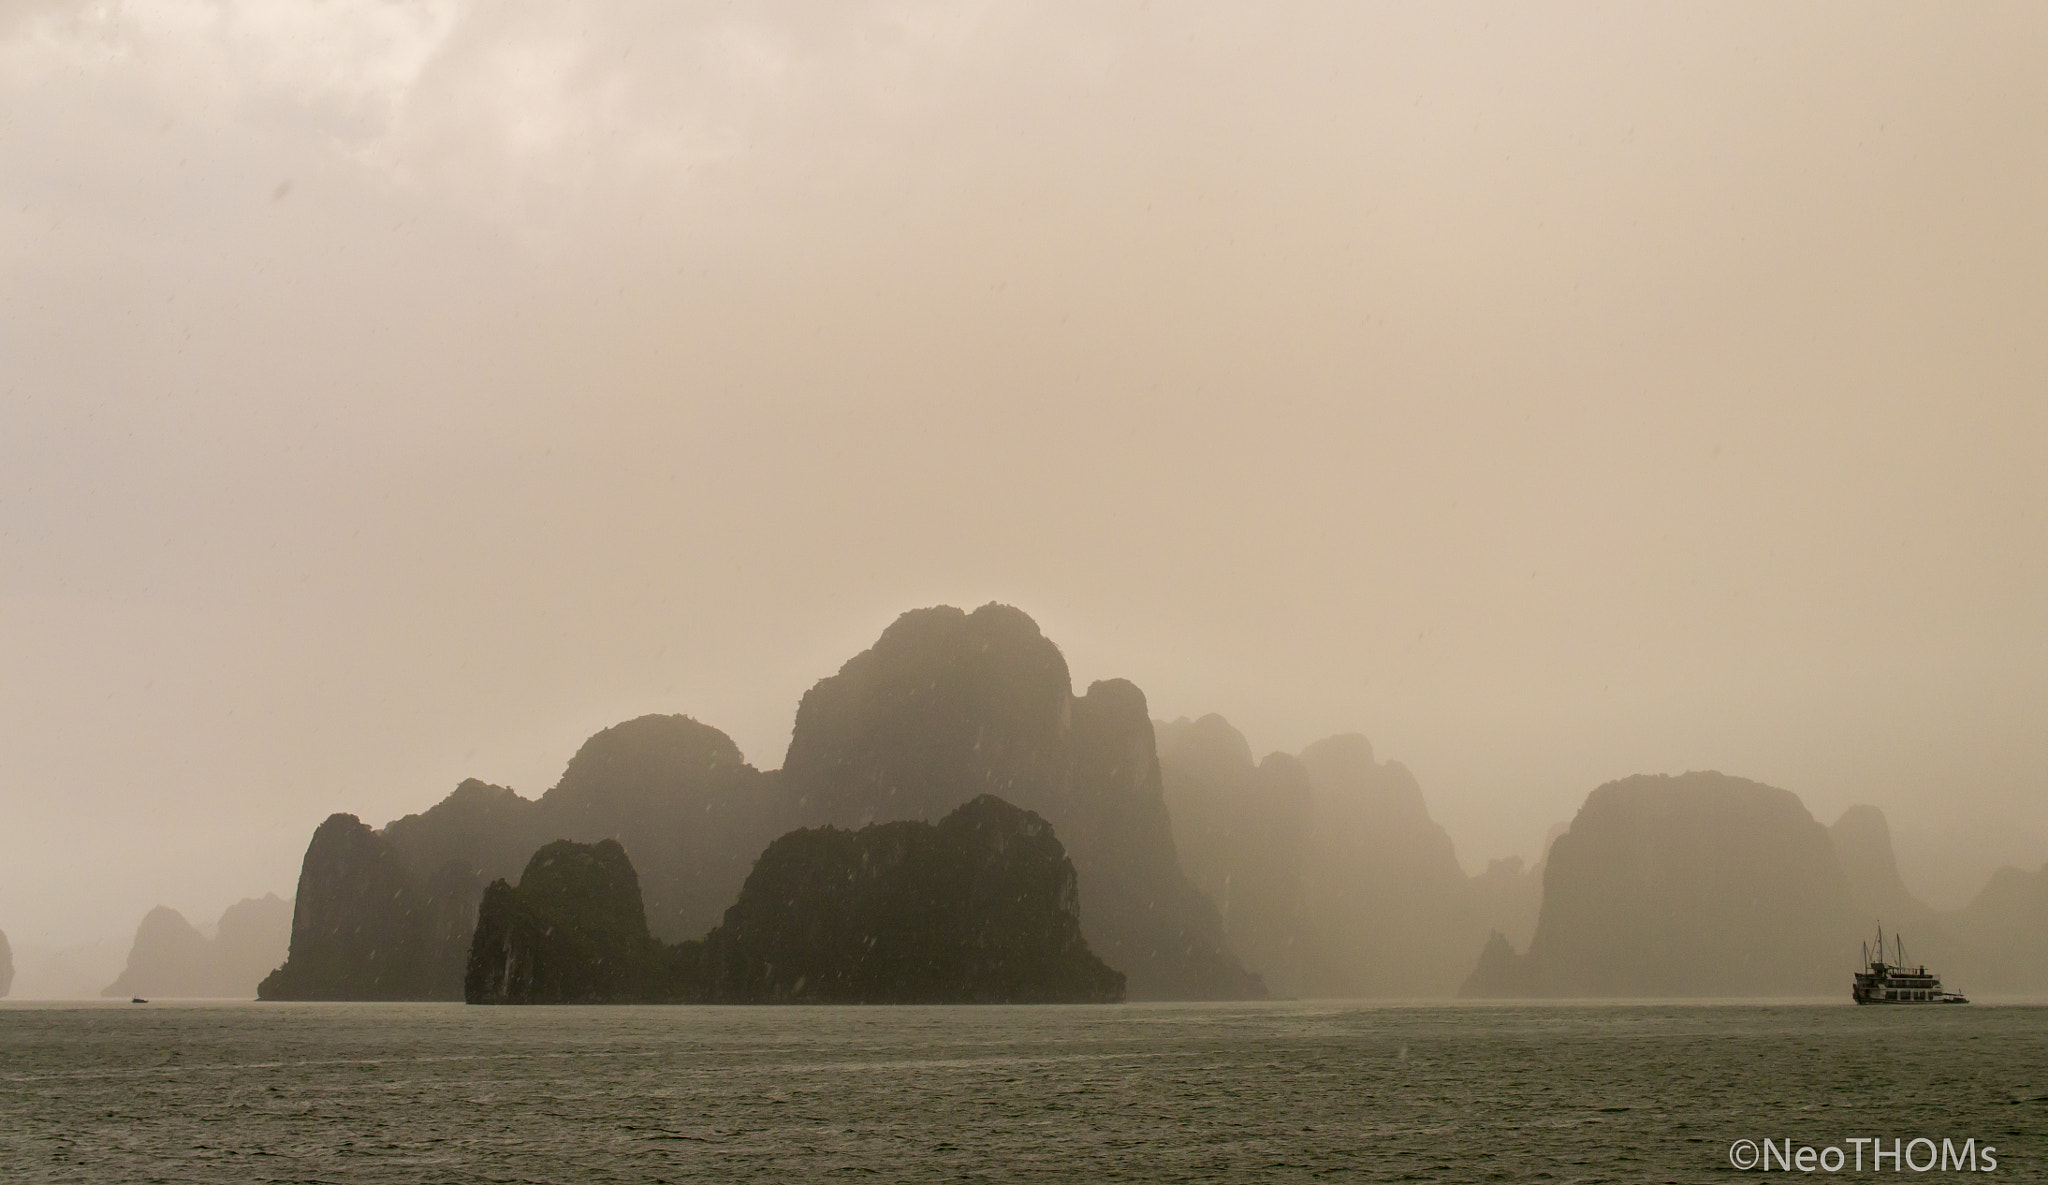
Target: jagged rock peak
pixel 994 627
pixel 1863 829
pixel 1501 973
pixel 166 946
pixel 1241 830
pixel 945 704
pixel 477 792
pixel 1208 743
pixel 1863 843
pixel 473 806
pixel 1346 753
pixel 1344 765
pixel 995 656
pixel 645 756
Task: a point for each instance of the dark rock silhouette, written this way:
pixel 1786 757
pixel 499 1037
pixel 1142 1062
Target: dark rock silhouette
pixel 1695 885
pixel 366 926
pixel 389 915
pixel 480 826
pixel 170 958
pixel 947 706
pixel 444 912
pixel 689 810
pixel 942 700
pixel 981 908
pixel 574 931
pixel 6 967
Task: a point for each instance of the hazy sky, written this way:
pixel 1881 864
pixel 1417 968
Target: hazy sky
pixel 392 392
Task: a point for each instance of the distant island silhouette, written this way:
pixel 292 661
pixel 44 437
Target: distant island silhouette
pixel 1696 885
pixel 1704 885
pixel 1201 872
pixel 170 958
pixel 945 706
pixel 1331 877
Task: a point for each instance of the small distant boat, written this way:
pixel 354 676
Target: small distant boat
pixel 1897 982
pixel 138 1000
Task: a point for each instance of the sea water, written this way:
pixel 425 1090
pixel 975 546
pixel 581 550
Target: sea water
pixel 1269 1092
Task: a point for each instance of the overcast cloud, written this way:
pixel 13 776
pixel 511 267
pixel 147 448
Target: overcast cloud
pixel 393 392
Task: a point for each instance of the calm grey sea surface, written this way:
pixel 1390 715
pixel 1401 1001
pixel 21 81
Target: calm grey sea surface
pixel 1280 1092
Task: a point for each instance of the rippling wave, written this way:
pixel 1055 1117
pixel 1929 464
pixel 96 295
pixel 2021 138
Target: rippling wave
pixel 1271 1092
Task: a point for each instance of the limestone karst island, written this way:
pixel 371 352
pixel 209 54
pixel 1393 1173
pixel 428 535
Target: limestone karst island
pixel 952 823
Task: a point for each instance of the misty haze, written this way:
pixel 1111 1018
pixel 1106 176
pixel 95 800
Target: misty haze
pixel 1158 591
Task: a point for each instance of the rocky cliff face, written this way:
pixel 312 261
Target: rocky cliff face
pixel 1696 885
pixel 982 908
pixel 574 931
pixel 366 926
pixel 947 706
pixel 1509 895
pixel 170 958
pixel 1242 830
pixel 1144 915
pixel 690 812
pixel 1332 876
pixel 1383 885
pixel 390 914
pixel 1862 840
pixel 675 793
pixel 490 829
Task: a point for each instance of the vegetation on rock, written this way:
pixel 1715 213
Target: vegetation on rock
pixel 981 908
pixel 574 931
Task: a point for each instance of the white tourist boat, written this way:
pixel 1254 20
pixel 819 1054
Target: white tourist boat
pixel 1897 982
